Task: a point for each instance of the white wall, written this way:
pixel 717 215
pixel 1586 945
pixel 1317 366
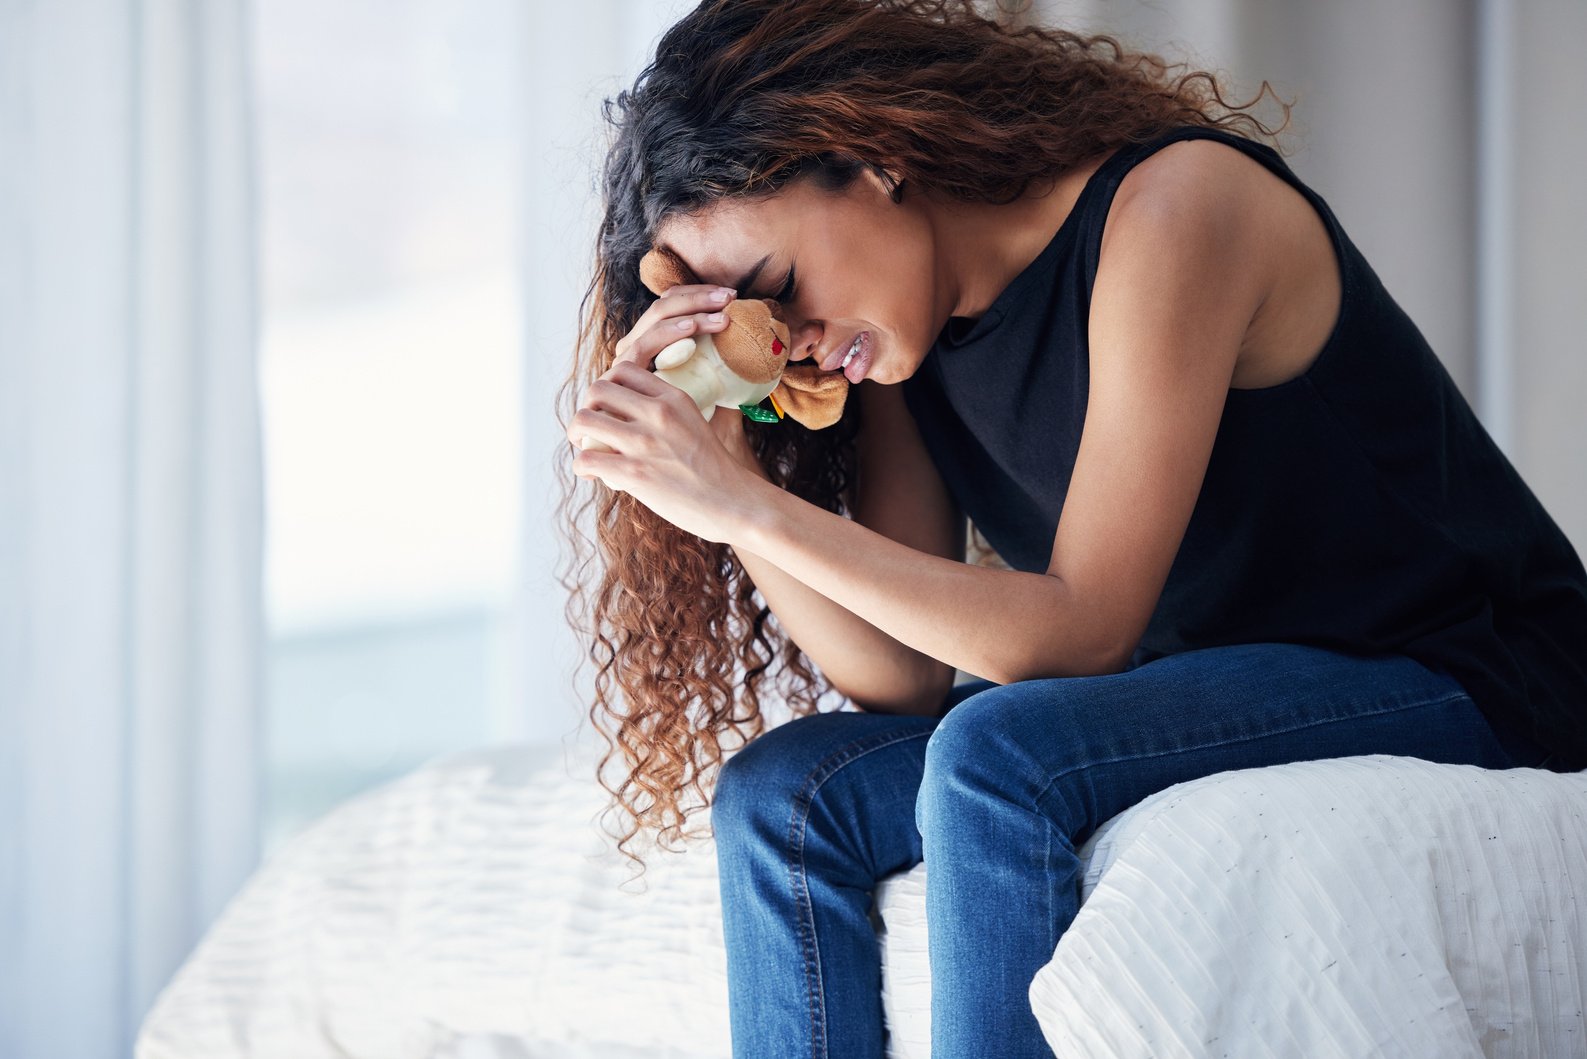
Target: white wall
pixel 1549 341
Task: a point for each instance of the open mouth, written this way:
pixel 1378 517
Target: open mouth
pixel 854 347
pixel 857 360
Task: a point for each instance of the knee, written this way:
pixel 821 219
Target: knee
pixel 1002 744
pixel 988 728
pixel 758 785
pixel 975 747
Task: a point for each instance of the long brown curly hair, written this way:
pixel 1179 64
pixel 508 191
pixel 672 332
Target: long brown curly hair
pixel 742 97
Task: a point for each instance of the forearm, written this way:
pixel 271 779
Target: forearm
pixel 1000 625
pixel 870 667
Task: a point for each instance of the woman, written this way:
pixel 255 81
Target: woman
pixel 1060 283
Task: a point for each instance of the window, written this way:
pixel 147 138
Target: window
pixel 389 140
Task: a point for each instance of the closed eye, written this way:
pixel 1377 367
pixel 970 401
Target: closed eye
pixel 787 292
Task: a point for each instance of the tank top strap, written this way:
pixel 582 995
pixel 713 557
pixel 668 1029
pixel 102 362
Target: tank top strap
pixel 1097 196
pixel 1356 278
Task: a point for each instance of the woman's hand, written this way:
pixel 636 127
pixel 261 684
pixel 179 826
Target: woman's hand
pixel 667 456
pixel 727 426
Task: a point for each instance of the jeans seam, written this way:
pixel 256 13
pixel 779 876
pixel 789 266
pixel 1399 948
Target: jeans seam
pixel 824 770
pixel 1042 794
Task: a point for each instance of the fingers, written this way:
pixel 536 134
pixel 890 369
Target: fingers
pixel 625 394
pixel 680 312
pixel 624 387
pixel 618 396
pixel 696 291
pixel 592 430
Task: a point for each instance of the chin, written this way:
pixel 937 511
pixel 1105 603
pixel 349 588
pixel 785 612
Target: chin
pixel 886 377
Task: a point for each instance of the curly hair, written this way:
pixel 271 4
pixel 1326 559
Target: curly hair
pixel 741 98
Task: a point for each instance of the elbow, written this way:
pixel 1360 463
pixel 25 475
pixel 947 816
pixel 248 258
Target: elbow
pixel 1084 642
pixel 1115 661
pixel 925 699
pixel 1073 659
pixel 1071 665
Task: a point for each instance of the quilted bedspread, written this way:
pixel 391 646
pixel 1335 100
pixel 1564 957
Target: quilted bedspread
pixel 473 909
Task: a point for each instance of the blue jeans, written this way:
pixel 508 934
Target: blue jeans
pixel 996 794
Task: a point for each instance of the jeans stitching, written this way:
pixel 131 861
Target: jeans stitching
pixel 797 875
pixel 1042 794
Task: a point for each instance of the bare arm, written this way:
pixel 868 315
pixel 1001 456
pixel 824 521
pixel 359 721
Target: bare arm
pixel 901 496
pixel 987 622
pixel 899 493
pixel 1184 265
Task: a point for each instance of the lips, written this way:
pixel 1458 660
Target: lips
pixel 835 359
pixel 860 365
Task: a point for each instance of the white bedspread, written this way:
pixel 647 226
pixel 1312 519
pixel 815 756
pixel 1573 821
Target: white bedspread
pixel 1366 906
pixel 472 910
pixel 469 910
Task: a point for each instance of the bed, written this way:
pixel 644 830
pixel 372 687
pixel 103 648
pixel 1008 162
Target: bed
pixel 473 909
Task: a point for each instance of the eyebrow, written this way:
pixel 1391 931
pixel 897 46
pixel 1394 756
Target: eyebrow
pixel 749 277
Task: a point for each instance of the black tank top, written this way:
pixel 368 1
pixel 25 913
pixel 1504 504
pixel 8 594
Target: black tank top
pixel 1360 506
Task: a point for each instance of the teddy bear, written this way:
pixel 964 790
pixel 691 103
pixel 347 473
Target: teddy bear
pixel 742 364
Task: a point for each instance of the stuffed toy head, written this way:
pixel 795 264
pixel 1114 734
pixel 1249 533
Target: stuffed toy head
pixel 746 361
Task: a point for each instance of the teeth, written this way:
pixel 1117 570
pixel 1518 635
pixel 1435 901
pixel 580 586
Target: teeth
pixel 855 348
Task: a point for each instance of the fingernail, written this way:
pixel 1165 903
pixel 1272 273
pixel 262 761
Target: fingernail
pixel 719 296
pixel 716 318
pixel 683 325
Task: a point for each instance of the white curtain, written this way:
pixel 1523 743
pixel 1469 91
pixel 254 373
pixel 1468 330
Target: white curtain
pixel 574 55
pixel 130 506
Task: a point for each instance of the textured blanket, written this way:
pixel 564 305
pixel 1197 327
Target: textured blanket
pixel 473 910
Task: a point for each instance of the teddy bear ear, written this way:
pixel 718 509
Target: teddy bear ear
pixel 660 269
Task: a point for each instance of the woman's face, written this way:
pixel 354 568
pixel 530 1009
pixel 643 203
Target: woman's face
pixel 861 264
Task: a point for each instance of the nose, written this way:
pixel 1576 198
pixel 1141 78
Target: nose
pixel 804 338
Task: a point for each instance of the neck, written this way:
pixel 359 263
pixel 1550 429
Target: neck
pixel 984 246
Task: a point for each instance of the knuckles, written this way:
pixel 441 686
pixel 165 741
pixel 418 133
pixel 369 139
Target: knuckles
pixel 672 404
pixel 674 401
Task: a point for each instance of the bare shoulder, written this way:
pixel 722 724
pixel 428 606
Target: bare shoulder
pixel 1207 204
pixel 1200 169
pixel 1197 183
pixel 1193 207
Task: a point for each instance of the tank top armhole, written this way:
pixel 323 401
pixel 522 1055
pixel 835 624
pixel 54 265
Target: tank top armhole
pixel 1343 251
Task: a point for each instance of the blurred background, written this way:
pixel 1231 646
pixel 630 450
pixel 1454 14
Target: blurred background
pixel 286 288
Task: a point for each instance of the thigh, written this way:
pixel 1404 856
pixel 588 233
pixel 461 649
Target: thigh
pixel 1086 748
